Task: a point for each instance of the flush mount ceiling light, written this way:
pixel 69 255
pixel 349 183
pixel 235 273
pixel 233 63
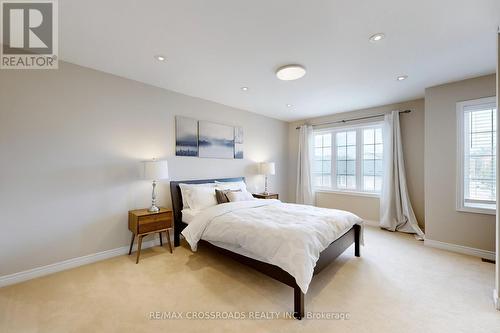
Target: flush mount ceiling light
pixel 160 58
pixel 290 72
pixel 402 77
pixel 377 37
pixel 244 88
pixel 289 105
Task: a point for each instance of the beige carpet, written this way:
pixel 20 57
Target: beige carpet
pixel 398 285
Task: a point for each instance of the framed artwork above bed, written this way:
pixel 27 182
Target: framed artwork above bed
pixel 186 136
pixel 238 143
pixel 215 140
pixel 207 139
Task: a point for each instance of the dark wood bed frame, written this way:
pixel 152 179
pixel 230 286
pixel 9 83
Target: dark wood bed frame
pixel 326 257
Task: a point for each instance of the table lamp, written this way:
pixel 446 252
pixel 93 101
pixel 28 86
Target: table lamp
pixel 154 170
pixel 267 168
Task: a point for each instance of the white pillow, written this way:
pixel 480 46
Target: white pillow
pixel 186 189
pixel 239 196
pixel 231 186
pixel 201 197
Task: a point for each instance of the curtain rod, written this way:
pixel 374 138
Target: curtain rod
pixel 354 119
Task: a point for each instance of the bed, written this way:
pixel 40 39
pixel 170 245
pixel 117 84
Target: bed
pixel 227 216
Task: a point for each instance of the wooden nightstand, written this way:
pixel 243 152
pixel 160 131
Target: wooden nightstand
pixel 265 196
pixel 142 222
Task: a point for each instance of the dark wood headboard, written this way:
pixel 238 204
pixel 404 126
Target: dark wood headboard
pixel 175 192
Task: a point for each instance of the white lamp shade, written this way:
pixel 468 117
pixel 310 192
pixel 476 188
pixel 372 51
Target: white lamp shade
pixel 155 170
pixel 267 168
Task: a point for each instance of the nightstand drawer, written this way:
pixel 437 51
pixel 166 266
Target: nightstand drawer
pixel 150 226
pixel 155 217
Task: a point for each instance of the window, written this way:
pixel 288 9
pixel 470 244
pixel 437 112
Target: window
pixel 349 159
pixel 373 151
pixel 477 156
pixel 322 160
pixel 345 175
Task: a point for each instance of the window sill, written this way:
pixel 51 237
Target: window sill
pixel 477 210
pixel 352 193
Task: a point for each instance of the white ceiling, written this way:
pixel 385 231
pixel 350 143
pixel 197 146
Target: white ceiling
pixel 214 47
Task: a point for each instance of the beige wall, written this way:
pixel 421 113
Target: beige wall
pixel 412 126
pixel 364 206
pixel 442 221
pixel 70 145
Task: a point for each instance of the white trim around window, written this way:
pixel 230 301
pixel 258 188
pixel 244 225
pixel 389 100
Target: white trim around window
pixel 351 163
pixel 346 192
pixel 464 201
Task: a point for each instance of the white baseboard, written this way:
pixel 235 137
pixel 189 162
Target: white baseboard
pixel 490 255
pixel 70 263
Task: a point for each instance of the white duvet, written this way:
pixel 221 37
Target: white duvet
pixel 286 235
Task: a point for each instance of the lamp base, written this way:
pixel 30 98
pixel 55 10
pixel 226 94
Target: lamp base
pixel 153 209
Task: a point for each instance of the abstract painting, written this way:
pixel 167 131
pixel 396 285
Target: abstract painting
pixel 238 143
pixel 186 136
pixel 215 140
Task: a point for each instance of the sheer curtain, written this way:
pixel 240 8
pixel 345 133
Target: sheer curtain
pixel 304 193
pixel 396 213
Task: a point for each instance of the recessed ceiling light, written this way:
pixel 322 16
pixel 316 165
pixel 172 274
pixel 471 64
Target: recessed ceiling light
pixel 290 72
pixel 160 58
pixel 402 77
pixel 244 88
pixel 377 37
pixel 289 105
